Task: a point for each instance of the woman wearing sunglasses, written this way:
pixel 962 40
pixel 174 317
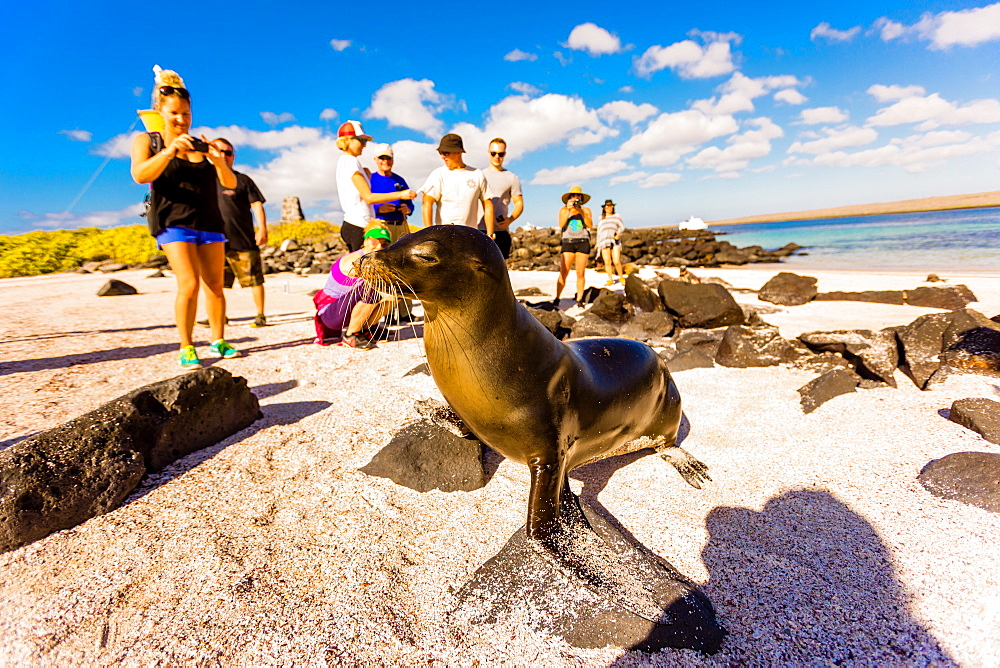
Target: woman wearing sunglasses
pixel 354 186
pixel 184 174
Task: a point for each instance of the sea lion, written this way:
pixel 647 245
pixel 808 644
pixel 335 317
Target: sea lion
pixel 549 404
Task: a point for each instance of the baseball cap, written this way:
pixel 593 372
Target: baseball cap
pixel 378 233
pixel 383 149
pixel 353 129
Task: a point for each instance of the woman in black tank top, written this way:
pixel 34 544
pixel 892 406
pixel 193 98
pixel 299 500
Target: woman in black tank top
pixel 184 212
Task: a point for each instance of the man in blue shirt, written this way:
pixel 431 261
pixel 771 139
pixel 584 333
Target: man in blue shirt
pixel 393 213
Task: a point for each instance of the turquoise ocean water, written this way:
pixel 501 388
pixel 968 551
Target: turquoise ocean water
pixel 934 241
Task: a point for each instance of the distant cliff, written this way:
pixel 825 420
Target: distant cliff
pixel 973 201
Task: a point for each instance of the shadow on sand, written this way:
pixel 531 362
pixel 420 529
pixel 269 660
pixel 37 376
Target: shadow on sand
pixel 806 581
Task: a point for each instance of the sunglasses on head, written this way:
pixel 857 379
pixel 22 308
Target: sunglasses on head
pixel 175 90
pixel 498 154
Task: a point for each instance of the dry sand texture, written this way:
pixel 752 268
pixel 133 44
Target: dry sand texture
pixel 815 542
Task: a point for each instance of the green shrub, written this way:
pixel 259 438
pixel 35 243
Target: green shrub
pixel 304 232
pixel 46 252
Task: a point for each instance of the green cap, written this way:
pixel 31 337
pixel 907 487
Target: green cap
pixel 378 233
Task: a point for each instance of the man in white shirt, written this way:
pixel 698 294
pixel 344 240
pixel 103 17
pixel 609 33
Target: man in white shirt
pixel 503 188
pixel 457 190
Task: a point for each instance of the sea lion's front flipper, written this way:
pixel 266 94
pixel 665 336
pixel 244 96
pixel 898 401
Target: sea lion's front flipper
pixel 693 471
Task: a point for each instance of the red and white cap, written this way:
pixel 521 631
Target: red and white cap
pixel 353 129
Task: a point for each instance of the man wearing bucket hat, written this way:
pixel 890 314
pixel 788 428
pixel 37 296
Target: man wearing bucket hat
pixel 575 222
pixel 455 190
pixel 346 305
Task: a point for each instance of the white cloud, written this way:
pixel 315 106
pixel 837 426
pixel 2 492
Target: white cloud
pixel 78 135
pixel 588 137
pixel 932 111
pixel 137 91
pixel 689 59
pixel 887 93
pixel 825 31
pixel 626 89
pixel 628 178
pixel 659 180
pixel 670 136
pixel 600 166
pixel 66 220
pixel 889 30
pixel 516 55
pixel 593 39
pixel 340 44
pixel 833 139
pixel 523 88
pixel 790 96
pixel 411 103
pixel 739 92
pixel 623 110
pixel 817 115
pixel 529 124
pixel 328 114
pixel 742 148
pixel 119 146
pixel 268 140
pixel 967 27
pixel 563 60
pixel 274 119
pixel 911 153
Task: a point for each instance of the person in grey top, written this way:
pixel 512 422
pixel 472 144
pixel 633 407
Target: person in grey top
pixel 609 241
pixel 503 188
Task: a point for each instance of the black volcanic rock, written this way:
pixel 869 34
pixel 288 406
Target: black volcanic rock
pixel 788 289
pixel 86 467
pixel 969 477
pixel 744 347
pixel 831 384
pixel 981 415
pixel 701 305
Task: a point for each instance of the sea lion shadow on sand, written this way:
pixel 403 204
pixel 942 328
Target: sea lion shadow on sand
pixel 552 406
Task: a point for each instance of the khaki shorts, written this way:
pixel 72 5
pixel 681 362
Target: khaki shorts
pixel 245 266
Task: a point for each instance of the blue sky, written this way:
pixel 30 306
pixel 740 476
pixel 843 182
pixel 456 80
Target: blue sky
pixel 715 110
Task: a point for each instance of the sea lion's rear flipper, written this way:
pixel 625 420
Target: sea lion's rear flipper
pixel 693 471
pixel 443 416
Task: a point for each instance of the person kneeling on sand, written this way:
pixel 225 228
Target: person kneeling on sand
pixel 346 304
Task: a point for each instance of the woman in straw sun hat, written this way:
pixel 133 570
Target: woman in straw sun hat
pixel 575 221
pixel 184 174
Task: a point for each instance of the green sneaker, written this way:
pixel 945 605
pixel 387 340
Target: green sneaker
pixel 259 321
pixel 189 358
pixel 222 349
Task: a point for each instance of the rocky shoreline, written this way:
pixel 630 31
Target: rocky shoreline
pixel 531 249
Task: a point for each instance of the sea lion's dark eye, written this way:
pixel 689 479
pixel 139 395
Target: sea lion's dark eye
pixel 430 259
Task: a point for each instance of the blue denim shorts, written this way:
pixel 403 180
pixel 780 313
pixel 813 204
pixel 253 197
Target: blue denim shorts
pixel 189 236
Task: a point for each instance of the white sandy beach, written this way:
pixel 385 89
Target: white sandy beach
pixel 814 541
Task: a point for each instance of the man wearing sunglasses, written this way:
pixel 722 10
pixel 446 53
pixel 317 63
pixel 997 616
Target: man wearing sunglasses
pixel 503 187
pixel 239 206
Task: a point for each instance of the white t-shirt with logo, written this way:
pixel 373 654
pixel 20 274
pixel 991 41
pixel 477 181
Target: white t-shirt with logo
pixel 356 210
pixel 459 193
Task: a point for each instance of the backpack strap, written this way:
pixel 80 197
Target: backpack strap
pixel 155 142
